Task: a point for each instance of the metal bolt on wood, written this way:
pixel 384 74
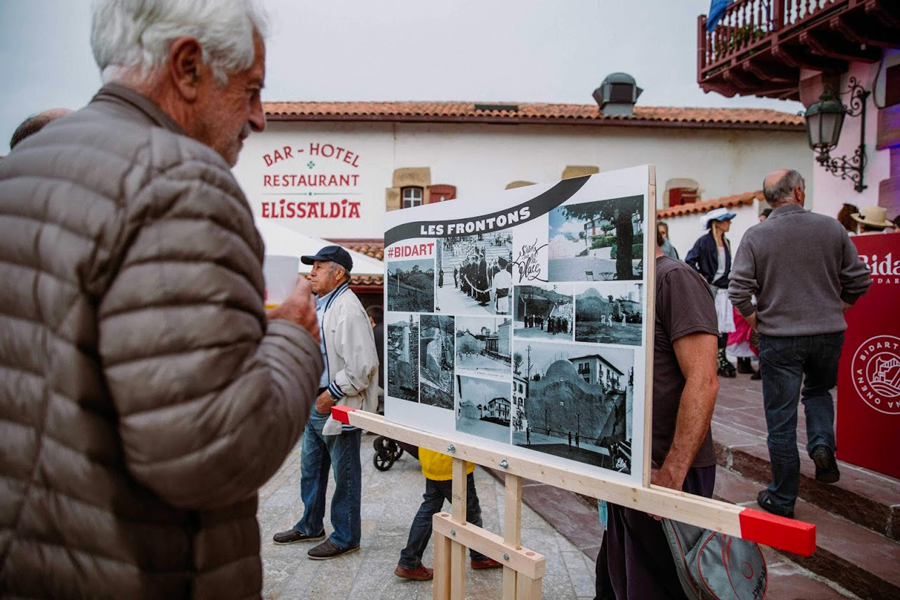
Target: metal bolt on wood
pixel 452 532
pixel 451 448
pixel 506 557
pixel 504 463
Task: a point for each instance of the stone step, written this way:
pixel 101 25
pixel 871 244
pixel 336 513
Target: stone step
pixel 861 496
pixel 576 517
pixel 847 554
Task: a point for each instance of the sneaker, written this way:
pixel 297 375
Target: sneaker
pixel 756 376
pixel 765 502
pixel 420 573
pixel 292 536
pixel 485 563
pixel 327 550
pixel 826 466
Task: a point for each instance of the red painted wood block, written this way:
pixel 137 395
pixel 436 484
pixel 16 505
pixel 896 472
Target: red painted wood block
pixel 778 532
pixel 341 414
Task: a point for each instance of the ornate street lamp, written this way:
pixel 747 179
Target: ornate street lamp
pixel 824 120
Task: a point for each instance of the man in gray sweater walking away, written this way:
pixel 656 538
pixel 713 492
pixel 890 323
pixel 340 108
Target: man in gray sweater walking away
pixel 805 274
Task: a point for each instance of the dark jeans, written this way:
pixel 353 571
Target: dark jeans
pixel 319 455
pixel 635 562
pixel 432 503
pixel 786 363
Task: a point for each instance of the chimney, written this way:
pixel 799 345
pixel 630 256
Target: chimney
pixel 617 95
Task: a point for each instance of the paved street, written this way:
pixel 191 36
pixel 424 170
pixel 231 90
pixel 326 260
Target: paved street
pixel 482 364
pixel 390 500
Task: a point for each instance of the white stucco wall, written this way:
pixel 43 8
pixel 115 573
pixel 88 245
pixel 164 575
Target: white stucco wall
pixel 482 159
pixel 830 192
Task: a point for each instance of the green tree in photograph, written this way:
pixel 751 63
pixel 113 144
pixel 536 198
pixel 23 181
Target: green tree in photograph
pixel 620 212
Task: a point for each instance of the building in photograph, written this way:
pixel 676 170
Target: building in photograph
pixel 483 408
pixel 520 392
pixel 332 169
pixel 483 346
pixel 596 370
pixel 497 409
pixel 576 404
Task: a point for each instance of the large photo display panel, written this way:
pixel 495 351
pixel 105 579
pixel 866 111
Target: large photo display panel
pixel 517 322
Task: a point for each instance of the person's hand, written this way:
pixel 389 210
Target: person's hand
pixel 299 308
pixel 845 307
pixel 324 403
pixel 753 321
pixel 666 477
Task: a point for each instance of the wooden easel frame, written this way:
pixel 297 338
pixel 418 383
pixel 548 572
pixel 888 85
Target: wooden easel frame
pixel 523 568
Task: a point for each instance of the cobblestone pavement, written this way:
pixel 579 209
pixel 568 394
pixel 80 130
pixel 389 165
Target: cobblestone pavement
pixel 390 499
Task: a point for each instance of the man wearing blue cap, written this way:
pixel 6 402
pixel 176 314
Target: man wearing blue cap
pixel 351 379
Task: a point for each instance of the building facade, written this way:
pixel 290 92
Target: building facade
pixel 332 170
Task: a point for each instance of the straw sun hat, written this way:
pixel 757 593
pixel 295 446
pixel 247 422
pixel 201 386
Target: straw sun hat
pixel 874 216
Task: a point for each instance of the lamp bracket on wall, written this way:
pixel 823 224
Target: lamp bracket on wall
pixel 823 122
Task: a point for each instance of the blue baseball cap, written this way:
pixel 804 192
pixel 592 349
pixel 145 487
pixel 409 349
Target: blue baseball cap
pixel 335 254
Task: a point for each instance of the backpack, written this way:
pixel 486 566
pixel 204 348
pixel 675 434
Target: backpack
pixel 716 566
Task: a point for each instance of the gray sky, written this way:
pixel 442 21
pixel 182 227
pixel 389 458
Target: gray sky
pixel 495 50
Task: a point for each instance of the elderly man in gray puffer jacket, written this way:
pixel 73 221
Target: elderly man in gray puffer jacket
pixel 146 395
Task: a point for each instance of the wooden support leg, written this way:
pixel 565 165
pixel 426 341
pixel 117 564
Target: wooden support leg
pixel 458 516
pixel 509 583
pixel 441 589
pixel 512 529
pixel 527 588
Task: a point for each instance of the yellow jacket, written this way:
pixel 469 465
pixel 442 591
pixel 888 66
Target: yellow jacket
pixel 437 466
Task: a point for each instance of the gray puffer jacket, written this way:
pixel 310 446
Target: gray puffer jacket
pixel 144 398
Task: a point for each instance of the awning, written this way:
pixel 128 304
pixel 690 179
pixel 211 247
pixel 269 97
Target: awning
pixel 281 240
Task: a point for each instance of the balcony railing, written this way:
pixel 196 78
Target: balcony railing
pixel 746 26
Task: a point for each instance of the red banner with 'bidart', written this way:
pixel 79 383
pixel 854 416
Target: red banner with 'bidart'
pixel 868 399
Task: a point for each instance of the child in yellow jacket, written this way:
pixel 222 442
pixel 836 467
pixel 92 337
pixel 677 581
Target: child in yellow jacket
pixel 438 471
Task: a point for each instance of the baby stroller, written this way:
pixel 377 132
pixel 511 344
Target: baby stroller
pixel 388 451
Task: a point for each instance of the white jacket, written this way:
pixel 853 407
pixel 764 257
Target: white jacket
pixel 350 349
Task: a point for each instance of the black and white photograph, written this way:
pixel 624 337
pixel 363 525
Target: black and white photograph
pixel 544 311
pixel 483 408
pixel 597 241
pixel 575 401
pixel 609 313
pixel 403 356
pixel 436 360
pixel 410 285
pixel 483 346
pixel 475 274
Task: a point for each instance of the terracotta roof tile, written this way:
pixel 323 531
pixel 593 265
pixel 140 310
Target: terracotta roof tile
pixel 371 247
pixel 532 112
pixel 701 207
pixel 367 280
pixel 364 280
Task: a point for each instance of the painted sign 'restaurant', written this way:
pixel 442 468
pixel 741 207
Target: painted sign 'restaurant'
pixel 307 179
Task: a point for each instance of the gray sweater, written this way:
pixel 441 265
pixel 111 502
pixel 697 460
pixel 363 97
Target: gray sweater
pixel 801 266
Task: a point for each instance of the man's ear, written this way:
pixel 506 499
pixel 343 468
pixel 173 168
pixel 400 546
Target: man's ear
pixel 185 67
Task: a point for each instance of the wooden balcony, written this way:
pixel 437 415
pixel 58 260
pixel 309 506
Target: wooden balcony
pixel 759 46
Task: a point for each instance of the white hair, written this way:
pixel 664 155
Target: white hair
pixel 131 39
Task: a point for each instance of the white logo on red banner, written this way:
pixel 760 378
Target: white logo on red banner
pixel 876 373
